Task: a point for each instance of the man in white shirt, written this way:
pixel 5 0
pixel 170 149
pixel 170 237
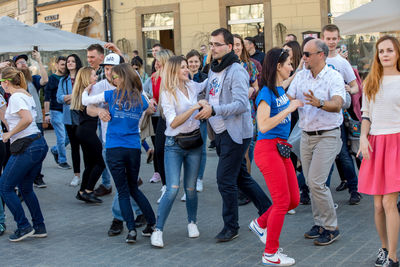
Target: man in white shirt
pixel 322 91
pixel 344 162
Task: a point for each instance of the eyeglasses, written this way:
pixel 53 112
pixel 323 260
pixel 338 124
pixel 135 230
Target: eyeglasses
pixel 3 80
pixel 308 54
pixel 21 62
pixel 115 77
pixel 215 44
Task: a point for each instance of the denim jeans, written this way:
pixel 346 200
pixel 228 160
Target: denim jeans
pixel 105 176
pixel 124 165
pixel 2 215
pixel 116 209
pixel 232 174
pixel 203 130
pixel 174 158
pixel 20 171
pixel 61 135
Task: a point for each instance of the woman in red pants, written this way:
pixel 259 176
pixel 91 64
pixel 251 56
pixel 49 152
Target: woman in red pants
pixel 272 155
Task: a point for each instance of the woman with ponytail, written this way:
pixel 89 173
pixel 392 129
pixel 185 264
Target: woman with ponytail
pixel 28 150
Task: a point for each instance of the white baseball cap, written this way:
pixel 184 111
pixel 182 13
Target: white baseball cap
pixel 111 59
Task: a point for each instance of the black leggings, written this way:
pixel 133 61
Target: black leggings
pixel 159 126
pixel 92 156
pixel 75 145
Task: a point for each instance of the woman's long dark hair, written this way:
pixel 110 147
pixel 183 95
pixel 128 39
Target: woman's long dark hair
pixel 271 60
pixel 297 54
pixel 78 64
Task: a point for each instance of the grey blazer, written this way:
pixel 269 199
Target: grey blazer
pixel 234 105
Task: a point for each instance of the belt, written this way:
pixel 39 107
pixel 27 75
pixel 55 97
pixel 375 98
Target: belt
pixel 320 132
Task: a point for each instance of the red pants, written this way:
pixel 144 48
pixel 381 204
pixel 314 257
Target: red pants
pixel 280 176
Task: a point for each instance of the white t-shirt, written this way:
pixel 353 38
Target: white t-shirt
pixel 384 112
pixel 2 103
pixel 99 88
pixel 20 101
pixel 215 82
pixel 341 65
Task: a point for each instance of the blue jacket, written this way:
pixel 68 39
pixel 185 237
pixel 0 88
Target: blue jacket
pixel 65 88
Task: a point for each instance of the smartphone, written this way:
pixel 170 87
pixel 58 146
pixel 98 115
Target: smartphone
pixel 343 48
pixel 35 48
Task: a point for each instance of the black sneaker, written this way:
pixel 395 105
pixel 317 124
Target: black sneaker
pixel 116 227
pixel 90 198
pixel 2 228
pixel 314 232
pixel 355 198
pixel 304 197
pixel 227 235
pixel 21 234
pixel 39 183
pixel 391 263
pixel 381 257
pixel 327 237
pixel 140 221
pixel 342 186
pixel 40 232
pixel 148 230
pixel 131 237
pixel 64 166
pixel 55 155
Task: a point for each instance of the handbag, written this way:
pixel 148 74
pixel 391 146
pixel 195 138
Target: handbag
pixel 189 140
pixel 284 148
pixel 74 117
pixel 353 126
pixel 20 145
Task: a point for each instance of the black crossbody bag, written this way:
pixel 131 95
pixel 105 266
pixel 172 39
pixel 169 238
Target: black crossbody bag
pixel 189 140
pixel 20 145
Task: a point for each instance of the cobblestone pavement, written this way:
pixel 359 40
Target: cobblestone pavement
pixel 78 231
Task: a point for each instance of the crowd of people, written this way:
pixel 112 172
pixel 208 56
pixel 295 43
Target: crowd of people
pixel 297 110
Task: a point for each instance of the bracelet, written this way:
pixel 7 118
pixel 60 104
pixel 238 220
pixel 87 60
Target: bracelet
pixel 47 114
pixel 366 118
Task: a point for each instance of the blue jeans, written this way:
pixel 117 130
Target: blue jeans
pixel 2 215
pixel 105 176
pixel 232 174
pixel 124 164
pixel 20 171
pixel 56 119
pixel 116 209
pixel 203 130
pixel 174 158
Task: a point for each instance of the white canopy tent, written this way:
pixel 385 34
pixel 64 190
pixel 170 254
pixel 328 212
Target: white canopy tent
pixel 19 37
pixel 376 16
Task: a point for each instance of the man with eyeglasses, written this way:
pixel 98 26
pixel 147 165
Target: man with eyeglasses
pixel 344 162
pixel 322 90
pixel 35 83
pixel 227 109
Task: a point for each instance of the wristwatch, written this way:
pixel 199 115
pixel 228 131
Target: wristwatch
pixel 321 103
pixel 212 111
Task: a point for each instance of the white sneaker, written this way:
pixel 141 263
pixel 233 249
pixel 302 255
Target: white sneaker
pixel 75 181
pixel 260 232
pixel 199 185
pixel 156 239
pixel 291 212
pixel 193 230
pixel 183 198
pixel 156 178
pixel 163 189
pixel 277 259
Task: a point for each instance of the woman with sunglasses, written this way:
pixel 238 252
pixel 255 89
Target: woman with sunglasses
pixel 126 105
pixel 87 136
pixel 64 93
pixel 273 119
pixel 28 150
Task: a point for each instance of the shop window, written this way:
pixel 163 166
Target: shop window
pixel 22 6
pixel 247 20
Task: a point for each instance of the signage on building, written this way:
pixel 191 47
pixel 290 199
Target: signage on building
pixel 53 20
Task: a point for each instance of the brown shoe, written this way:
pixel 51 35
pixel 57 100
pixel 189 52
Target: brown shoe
pixel 102 191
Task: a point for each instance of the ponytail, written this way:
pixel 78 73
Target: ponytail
pixel 17 78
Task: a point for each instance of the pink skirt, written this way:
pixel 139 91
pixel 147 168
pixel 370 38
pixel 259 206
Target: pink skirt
pixel 380 174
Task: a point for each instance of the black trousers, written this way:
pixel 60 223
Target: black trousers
pixel 75 147
pixel 159 126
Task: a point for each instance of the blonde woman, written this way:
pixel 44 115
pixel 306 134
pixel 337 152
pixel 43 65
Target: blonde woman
pixel 178 99
pixel 28 150
pixel 86 133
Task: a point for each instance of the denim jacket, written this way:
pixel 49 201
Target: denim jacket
pixel 65 88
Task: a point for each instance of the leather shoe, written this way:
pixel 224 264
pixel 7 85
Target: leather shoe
pixel 227 235
pixel 102 191
pixel 140 221
pixel 90 198
pixel 342 186
pixel 116 227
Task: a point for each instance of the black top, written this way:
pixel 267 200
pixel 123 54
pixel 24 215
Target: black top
pixel 87 120
pixel 259 56
pixel 50 92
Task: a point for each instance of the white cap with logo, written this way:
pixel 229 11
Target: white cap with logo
pixel 111 59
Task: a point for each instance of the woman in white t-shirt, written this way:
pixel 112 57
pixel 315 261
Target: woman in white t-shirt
pixel 178 98
pixel 28 150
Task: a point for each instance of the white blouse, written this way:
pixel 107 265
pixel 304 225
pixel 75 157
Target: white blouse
pixel 172 108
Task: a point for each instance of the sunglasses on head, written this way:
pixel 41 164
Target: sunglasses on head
pixel 3 80
pixel 308 54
